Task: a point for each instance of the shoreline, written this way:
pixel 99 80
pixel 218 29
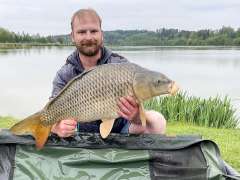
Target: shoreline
pixel 32 44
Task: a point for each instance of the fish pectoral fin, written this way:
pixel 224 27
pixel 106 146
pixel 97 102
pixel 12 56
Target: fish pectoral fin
pixel 32 125
pixel 41 135
pixel 142 114
pixel 106 127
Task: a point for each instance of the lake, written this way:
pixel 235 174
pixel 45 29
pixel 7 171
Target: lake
pixel 26 74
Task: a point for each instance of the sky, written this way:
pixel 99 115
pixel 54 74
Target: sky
pixel 52 17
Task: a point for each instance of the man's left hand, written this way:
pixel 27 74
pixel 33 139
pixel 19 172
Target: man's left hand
pixel 129 109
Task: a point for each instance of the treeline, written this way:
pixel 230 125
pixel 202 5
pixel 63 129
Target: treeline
pixel 11 37
pixel 226 36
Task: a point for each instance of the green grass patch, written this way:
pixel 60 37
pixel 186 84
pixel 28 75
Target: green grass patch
pixel 7 122
pixel 228 140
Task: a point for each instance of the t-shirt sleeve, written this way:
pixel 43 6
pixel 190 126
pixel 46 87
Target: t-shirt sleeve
pixel 63 76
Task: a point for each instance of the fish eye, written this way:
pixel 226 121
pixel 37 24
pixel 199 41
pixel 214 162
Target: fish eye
pixel 162 81
pixel 157 83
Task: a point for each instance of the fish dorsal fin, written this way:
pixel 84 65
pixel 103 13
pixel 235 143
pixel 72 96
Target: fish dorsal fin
pixel 69 84
pixel 106 127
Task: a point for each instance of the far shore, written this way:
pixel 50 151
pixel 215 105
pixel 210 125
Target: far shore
pixel 33 44
pixel 28 45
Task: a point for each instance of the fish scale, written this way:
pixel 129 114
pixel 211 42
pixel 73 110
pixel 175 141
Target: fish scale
pixel 92 96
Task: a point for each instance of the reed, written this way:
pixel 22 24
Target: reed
pixel 212 112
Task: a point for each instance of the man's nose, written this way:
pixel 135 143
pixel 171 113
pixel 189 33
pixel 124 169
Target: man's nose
pixel 88 35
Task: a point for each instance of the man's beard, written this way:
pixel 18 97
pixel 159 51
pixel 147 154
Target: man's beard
pixel 90 48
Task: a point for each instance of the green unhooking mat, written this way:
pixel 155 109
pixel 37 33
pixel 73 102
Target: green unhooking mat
pixel 88 157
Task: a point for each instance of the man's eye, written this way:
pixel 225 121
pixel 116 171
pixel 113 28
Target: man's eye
pixel 81 32
pixel 94 31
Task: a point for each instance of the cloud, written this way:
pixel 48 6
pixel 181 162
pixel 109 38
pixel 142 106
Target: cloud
pixel 53 17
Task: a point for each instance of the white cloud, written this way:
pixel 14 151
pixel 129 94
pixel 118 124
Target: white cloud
pixel 53 17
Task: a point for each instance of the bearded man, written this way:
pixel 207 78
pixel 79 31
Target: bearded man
pixel 87 35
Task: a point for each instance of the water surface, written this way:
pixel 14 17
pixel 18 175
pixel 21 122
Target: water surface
pixel 26 74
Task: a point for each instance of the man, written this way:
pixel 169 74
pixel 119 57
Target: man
pixel 87 36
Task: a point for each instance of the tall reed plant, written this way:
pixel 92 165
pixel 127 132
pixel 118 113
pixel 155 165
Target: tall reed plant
pixel 212 112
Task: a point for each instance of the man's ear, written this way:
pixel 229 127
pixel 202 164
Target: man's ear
pixel 72 37
pixel 102 35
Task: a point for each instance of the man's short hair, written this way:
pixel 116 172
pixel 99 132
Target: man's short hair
pixel 83 12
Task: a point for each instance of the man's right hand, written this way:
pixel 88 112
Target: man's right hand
pixel 64 128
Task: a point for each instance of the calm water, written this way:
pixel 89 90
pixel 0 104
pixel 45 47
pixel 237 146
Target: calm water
pixel 26 74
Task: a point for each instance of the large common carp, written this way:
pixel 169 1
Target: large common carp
pixel 94 95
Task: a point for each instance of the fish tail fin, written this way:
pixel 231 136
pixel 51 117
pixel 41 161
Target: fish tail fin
pixel 32 125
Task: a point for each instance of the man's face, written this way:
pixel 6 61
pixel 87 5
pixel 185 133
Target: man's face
pixel 87 35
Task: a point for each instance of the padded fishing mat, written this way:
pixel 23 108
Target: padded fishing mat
pixel 87 156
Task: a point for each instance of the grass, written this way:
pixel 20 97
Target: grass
pixel 6 122
pixel 228 140
pixel 213 112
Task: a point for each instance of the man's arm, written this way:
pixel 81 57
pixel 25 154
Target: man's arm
pixel 63 76
pixel 66 127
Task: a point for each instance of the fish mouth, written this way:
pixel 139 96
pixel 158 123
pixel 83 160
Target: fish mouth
pixel 174 88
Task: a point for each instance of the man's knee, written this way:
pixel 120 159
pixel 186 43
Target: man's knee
pixel 157 120
pixel 156 115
